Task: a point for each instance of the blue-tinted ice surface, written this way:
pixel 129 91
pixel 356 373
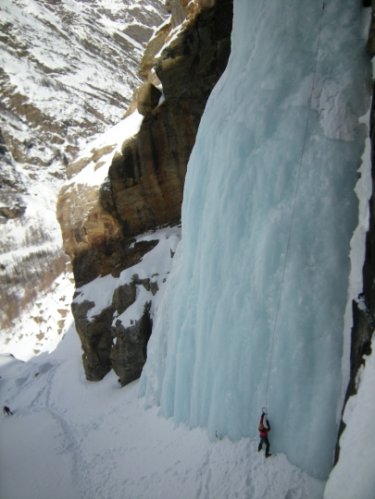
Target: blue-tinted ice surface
pixel 253 311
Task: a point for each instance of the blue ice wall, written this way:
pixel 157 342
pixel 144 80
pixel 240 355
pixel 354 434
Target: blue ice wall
pixel 253 312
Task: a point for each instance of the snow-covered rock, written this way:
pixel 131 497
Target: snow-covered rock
pixel 114 313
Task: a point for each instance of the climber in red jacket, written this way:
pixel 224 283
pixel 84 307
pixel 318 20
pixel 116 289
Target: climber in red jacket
pixel 264 427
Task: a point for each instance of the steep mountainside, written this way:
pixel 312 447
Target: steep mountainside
pixel 67 72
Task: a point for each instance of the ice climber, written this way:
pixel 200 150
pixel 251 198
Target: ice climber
pixel 264 427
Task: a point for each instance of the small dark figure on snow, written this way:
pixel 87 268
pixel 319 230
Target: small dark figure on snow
pixel 7 411
pixel 264 427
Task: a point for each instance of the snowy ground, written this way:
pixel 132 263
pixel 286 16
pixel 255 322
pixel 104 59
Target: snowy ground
pixel 71 438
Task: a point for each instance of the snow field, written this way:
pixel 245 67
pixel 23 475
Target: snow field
pixel 75 72
pixel 71 438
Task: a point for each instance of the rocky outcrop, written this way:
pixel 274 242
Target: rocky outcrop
pixel 144 185
pixel 115 332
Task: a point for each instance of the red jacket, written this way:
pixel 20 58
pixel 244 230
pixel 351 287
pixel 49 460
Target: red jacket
pixel 263 428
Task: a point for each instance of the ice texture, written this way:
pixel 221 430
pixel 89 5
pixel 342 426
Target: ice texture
pixel 253 311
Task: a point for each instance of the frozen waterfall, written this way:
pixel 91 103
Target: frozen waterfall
pixel 253 310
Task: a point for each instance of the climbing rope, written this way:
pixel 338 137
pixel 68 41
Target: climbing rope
pixel 292 218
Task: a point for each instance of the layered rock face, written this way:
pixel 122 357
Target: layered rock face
pixel 144 185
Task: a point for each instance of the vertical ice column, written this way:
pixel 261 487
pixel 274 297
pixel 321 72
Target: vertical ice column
pixel 254 307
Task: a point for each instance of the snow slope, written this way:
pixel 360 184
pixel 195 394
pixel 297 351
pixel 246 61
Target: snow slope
pixel 72 438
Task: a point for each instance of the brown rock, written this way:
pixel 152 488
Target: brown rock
pixel 147 178
pixel 84 223
pixel 148 98
pixel 145 181
pixel 153 47
pixel 125 348
pixel 124 296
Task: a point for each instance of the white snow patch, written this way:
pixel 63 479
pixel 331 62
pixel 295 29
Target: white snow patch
pixel 353 476
pixel 94 174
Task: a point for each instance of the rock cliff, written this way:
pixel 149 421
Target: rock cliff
pixel 143 187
